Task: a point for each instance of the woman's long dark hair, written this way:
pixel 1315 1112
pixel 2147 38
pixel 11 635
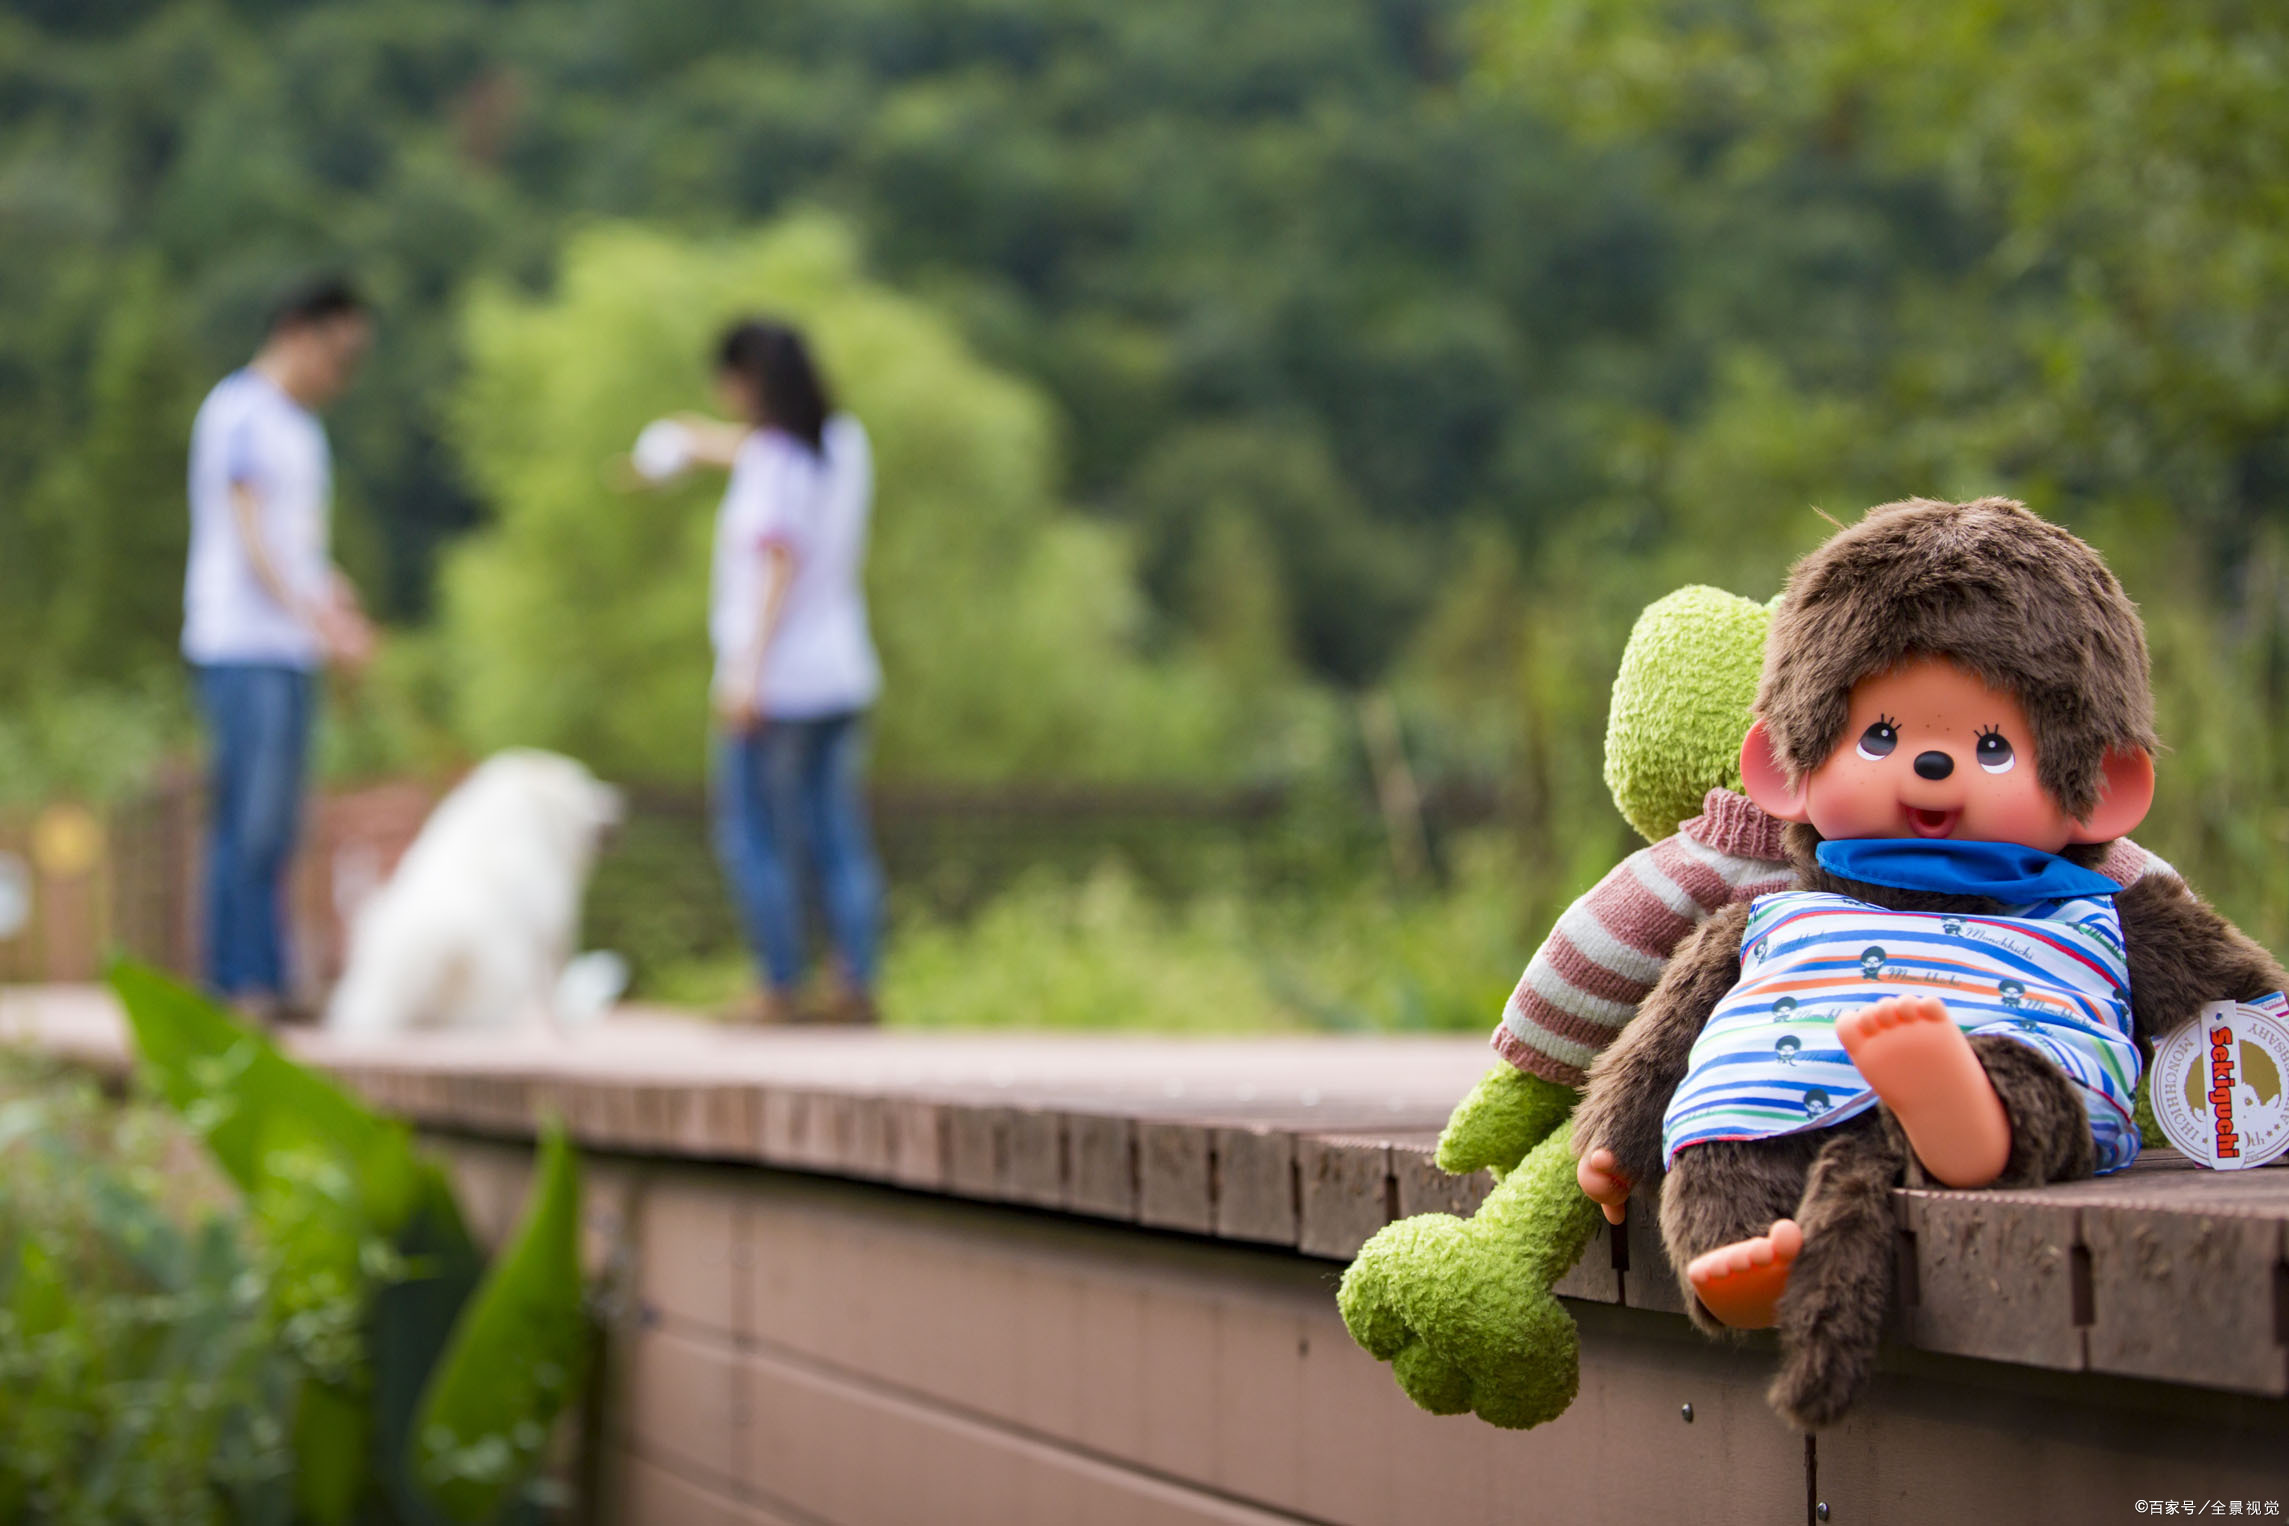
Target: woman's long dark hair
pixel 773 359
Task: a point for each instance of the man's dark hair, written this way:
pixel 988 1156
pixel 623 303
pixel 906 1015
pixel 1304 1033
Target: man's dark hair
pixel 319 300
pixel 776 362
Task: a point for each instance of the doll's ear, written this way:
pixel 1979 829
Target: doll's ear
pixel 1766 781
pixel 2128 795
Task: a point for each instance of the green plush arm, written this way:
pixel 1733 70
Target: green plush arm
pixel 1506 1114
pixel 1462 1309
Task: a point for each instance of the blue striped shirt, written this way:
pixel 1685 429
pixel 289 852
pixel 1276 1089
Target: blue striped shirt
pixel 2051 975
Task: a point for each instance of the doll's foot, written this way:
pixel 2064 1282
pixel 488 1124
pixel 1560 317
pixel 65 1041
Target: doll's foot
pixel 1602 1184
pixel 1464 1328
pixel 1741 1283
pixel 1921 1065
pixel 1462 1308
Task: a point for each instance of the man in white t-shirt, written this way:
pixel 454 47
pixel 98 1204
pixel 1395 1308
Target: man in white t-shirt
pixel 264 608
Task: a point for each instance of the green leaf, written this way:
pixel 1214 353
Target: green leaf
pixel 516 1357
pixel 38 1297
pixel 247 1099
pixel 412 1319
pixel 331 1428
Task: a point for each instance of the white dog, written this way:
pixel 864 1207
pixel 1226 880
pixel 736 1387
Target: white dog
pixel 478 923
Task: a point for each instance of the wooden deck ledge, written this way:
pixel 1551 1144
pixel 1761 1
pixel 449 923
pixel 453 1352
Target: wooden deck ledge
pixel 1308 1144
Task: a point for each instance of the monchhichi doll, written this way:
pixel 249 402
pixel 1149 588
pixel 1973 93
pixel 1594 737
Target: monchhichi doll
pixel 1462 1309
pixel 1955 718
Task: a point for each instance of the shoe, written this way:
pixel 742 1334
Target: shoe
pixel 761 1009
pixel 848 1007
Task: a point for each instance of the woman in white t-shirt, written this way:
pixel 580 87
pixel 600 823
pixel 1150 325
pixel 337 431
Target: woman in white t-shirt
pixel 795 669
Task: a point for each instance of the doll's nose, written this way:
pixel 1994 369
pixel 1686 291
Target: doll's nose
pixel 1933 765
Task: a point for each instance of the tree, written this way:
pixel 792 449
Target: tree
pixel 114 507
pixel 1008 630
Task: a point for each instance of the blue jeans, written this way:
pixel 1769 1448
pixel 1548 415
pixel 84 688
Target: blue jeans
pixel 787 791
pixel 258 726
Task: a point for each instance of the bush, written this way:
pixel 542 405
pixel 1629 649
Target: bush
pixel 142 1373
pixel 1362 957
pixel 295 1328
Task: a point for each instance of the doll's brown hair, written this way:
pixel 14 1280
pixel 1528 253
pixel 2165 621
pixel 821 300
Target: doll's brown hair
pixel 2013 598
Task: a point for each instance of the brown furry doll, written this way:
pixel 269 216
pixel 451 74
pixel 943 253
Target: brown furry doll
pixel 1955 715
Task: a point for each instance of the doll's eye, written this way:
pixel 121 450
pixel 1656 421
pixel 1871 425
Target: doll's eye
pixel 1878 740
pixel 1994 752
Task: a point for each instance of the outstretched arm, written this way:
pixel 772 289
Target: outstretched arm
pixel 1618 1126
pixel 1603 957
pixel 2183 955
pixel 1506 1114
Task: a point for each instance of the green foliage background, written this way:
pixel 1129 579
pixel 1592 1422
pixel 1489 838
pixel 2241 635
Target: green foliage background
pixel 1224 360
pixel 577 619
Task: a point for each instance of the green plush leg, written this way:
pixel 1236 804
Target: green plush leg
pixel 1506 1114
pixel 1462 1309
pixel 2149 1126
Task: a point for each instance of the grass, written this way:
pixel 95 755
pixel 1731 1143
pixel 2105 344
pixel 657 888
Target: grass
pixel 1102 952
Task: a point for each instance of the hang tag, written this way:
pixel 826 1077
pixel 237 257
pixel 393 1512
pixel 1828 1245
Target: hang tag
pixel 2219 1084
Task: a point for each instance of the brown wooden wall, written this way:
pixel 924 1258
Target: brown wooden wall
pixel 800 1349
pixel 885 1277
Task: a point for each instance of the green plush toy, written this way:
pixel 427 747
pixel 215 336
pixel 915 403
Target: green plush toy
pixel 1462 1309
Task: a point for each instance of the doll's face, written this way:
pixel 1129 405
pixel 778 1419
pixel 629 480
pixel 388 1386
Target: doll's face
pixel 1931 751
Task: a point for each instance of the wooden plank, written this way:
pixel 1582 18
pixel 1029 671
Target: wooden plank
pixel 2021 1444
pixel 727 1123
pixel 665 1117
pixel 819 1131
pixel 1175 1189
pixel 1647 1280
pixel 869 1143
pixel 1424 1188
pixel 980 1347
pixel 918 1149
pixel 1103 1153
pixel 684 1403
pixel 648 1493
pixel 1255 1174
pixel 1596 1277
pixel 690 1229
pixel 1346 1193
pixel 1992 1276
pixel 1222 1366
pixel 977 1150
pixel 779 1126
pixel 1033 1162
pixel 2192 1297
pixel 850 1452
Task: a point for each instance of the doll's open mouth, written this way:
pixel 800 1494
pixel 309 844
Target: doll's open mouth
pixel 1931 823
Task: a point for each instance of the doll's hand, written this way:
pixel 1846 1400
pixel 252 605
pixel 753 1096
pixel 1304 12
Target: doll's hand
pixel 1603 1184
pixel 1506 1114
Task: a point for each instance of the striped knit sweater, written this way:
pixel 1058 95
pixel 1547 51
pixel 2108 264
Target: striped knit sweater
pixel 1608 950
